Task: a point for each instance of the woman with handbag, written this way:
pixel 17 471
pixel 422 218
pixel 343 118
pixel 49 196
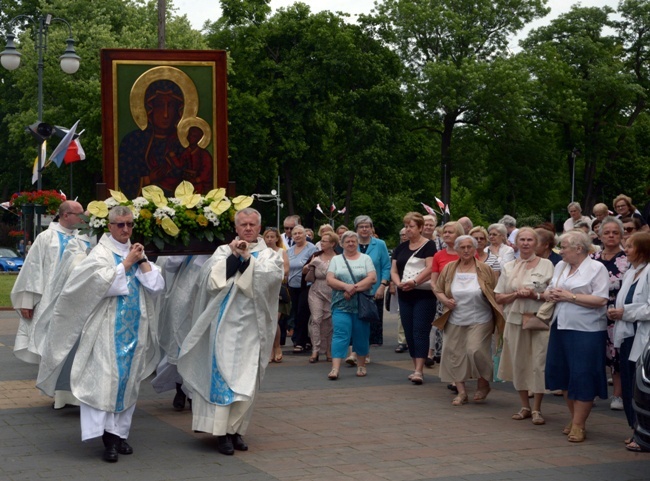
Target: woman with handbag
pixel 411 273
pixel 575 359
pixel 450 232
pixel 299 253
pixel 273 240
pixel 520 288
pixel 349 275
pixel 632 317
pixel 320 297
pixel 466 289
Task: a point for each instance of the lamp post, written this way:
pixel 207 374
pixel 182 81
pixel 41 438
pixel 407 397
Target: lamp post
pixel 10 59
pixel 274 196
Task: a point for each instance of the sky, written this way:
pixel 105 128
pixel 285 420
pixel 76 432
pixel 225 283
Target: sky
pixel 198 11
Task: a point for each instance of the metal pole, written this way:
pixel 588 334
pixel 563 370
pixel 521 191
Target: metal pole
pixel 39 70
pixel 277 201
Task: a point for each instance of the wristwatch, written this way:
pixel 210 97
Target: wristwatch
pixel 384 283
pixel 144 259
pixel 575 298
pixel 415 283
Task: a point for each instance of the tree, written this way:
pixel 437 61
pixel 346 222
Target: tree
pixel 447 47
pixel 592 86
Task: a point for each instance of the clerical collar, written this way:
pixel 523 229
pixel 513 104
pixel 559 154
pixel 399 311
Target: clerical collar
pixel 122 248
pixel 363 248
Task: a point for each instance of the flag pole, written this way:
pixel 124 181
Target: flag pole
pixel 71 193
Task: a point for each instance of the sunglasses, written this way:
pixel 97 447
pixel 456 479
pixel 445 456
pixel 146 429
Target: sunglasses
pixel 629 229
pixel 121 225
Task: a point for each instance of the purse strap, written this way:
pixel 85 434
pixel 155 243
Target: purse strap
pixel 349 268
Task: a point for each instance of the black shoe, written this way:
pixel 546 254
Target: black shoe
pixel 436 359
pixel 401 348
pixel 179 399
pixel 111 442
pixel 238 442
pixel 124 448
pixel 429 362
pixel 110 454
pixel 452 388
pixel 224 445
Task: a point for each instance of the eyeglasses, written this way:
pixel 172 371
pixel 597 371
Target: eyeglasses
pixel 479 238
pixel 629 229
pixel 288 228
pixel 75 213
pixel 121 225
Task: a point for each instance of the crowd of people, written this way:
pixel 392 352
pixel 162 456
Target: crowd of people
pixel 557 311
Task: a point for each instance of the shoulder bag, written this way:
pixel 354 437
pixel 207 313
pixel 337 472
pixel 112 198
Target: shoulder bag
pixel 366 303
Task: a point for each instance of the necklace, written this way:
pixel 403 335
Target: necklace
pixel 609 257
pixel 460 268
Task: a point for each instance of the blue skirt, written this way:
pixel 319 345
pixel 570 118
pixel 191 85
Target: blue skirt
pixel 575 362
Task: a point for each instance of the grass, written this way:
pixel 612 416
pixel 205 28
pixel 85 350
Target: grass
pixel 6 284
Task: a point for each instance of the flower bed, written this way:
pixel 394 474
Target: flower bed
pixel 175 220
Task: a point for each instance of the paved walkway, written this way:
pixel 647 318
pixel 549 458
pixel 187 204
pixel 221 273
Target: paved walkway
pixel 306 427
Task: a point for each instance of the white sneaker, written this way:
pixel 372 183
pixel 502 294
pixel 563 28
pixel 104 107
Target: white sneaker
pixel 616 404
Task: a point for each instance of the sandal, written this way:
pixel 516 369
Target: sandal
pixel 459 400
pixel 298 349
pixel 524 413
pixel 629 440
pixel 538 420
pixel 567 429
pixel 416 378
pixel 333 375
pixel 635 448
pixel 361 371
pixel 481 394
pixel 313 358
pixel 577 435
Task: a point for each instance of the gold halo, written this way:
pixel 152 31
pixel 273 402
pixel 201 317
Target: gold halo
pixel 180 78
pixel 184 127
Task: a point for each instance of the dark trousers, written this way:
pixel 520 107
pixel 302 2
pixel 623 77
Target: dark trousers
pixel 377 327
pixel 301 313
pixel 416 318
pixel 628 376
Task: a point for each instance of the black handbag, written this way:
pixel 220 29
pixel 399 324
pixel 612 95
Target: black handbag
pixel 366 303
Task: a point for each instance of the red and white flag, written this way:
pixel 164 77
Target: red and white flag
pixel 428 208
pixel 342 211
pixel 319 209
pixel 75 152
pixel 441 204
pixel 332 207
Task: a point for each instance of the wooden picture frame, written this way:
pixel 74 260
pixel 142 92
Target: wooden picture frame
pixel 164 117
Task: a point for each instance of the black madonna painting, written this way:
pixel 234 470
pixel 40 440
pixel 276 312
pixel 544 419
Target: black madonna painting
pixel 165 119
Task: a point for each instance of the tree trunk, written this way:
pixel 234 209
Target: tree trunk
pixel 449 121
pixel 288 189
pixel 348 199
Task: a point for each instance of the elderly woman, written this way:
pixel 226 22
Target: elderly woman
pixel 600 211
pixel 575 360
pixel 575 216
pixel 349 275
pixel 632 316
pixel 299 254
pixel 545 245
pixel 320 297
pixel 616 263
pixel 624 208
pixel 498 237
pixel 630 226
pixel 273 240
pixel 450 232
pixel 411 273
pixel 466 289
pixel 480 235
pixel 520 287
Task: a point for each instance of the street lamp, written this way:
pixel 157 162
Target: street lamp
pixel 10 60
pixel 274 196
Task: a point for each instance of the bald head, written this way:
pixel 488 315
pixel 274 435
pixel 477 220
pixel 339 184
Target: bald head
pixel 69 214
pixel 466 223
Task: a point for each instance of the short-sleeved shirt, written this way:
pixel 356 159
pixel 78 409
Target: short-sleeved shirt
pixel 401 255
pixel 361 267
pixel 296 263
pixel 441 259
pixel 590 278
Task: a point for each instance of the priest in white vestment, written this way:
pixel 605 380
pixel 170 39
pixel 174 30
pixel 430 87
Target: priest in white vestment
pixel 225 354
pixel 36 285
pixel 107 304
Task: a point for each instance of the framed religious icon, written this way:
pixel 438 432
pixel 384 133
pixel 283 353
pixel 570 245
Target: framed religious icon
pixel 164 119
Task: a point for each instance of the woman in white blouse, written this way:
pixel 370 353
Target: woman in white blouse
pixel 497 236
pixel 632 317
pixel 575 359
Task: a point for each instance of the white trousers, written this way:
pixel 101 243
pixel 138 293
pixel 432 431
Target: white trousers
pixel 94 422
